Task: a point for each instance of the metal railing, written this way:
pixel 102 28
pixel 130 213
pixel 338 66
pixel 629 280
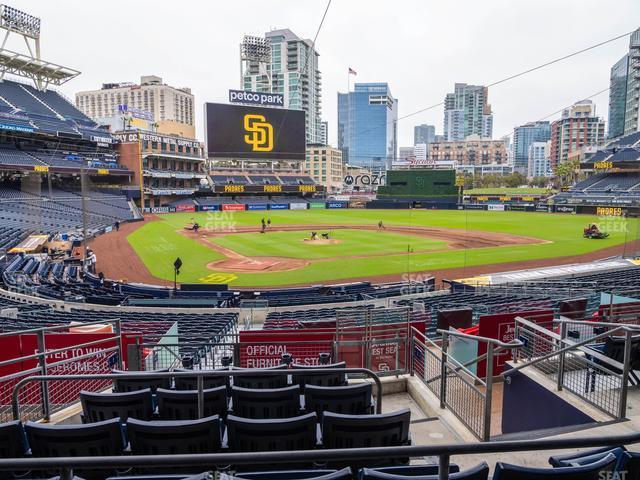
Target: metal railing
pixel 566 355
pixel 444 452
pixel 458 388
pixel 52 396
pixel 200 375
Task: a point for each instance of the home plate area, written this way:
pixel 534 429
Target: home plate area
pixel 258 264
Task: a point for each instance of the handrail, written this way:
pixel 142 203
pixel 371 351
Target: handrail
pixel 443 451
pixel 58 327
pixel 511 344
pixel 199 374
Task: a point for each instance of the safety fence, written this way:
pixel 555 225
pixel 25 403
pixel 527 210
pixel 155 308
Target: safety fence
pixel 51 351
pixel 593 360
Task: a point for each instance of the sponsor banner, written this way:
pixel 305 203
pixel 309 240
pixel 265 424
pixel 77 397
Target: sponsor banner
pixel 256 98
pixel 257 206
pixel 495 207
pixel 541 208
pixel 15 128
pixel 279 206
pixel 357 204
pixel 297 206
pixel 154 137
pixel 518 208
pixel 316 205
pixel 337 205
pixel 209 208
pixel 136 112
pixel 163 210
pixel 185 208
pixel 233 206
pixel 474 206
pixel 565 209
pixel 268 188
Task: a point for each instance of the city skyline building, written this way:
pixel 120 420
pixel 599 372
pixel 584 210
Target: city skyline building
pixel 287 64
pixel 523 137
pixel 579 127
pixel 367 126
pixel 424 134
pixel 538 162
pixel 467 112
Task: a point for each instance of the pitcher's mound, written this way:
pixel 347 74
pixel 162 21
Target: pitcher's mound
pixel 257 264
pixel 321 241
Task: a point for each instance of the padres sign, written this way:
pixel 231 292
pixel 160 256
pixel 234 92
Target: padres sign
pixel 261 133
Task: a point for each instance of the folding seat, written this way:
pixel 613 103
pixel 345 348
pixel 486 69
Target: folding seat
pixel 131 385
pixel 174 437
pixel 349 399
pixel 320 375
pixel 176 476
pixel 575 459
pixel 248 435
pixel 261 381
pixel 183 404
pixel 362 431
pixel 344 474
pixel 97 407
pixel 12 445
pixel 597 470
pixel 266 403
pixel 423 472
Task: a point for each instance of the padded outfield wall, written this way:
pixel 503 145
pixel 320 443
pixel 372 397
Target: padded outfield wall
pixel 419 183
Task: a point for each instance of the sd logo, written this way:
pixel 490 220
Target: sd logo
pixel 261 133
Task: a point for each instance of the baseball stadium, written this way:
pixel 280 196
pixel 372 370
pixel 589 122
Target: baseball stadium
pixel 177 309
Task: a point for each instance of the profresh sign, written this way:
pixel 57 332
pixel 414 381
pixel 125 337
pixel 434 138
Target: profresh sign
pixel 256 98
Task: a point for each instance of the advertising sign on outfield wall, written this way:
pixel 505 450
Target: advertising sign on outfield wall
pixel 297 206
pixel 495 207
pixel 565 209
pixel 163 210
pixel 185 208
pixel 257 206
pixel 279 206
pixel 316 205
pixel 542 208
pixel 474 206
pixel 209 208
pixel 337 205
pixel 233 206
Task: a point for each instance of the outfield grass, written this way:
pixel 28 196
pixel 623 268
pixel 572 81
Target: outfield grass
pixel 157 243
pixel 291 244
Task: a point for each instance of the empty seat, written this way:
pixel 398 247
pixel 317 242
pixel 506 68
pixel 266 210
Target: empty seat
pixel 133 384
pixel 247 435
pixel 362 431
pixel 350 399
pixel 319 375
pixel 191 383
pixel 424 472
pixel 12 445
pixel 575 459
pixel 598 470
pixel 173 437
pixel 266 403
pixel 183 404
pixel 97 407
pixel 344 474
pixel 261 381
pixel 177 476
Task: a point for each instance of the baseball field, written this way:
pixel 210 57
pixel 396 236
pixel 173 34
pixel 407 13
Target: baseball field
pixel 230 248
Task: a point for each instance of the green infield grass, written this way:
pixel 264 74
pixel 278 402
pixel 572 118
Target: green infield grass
pixel 360 254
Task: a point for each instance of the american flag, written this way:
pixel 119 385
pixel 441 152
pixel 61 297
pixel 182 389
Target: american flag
pixel 352 71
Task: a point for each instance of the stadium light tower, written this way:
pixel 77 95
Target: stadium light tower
pixel 255 59
pixel 28 65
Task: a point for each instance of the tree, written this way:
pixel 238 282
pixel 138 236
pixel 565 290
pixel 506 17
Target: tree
pixel 566 172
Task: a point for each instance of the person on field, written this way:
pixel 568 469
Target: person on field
pixel 381 225
pixel 117 226
pixel 269 222
pixel 196 226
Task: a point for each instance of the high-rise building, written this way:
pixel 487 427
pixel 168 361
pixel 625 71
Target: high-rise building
pixel 324 133
pixel 367 126
pixel 170 108
pixel 473 155
pixel 618 96
pixel 579 127
pixel 467 112
pixel 324 164
pixel 523 137
pixel 624 92
pixel 538 162
pixel 424 134
pixel 292 71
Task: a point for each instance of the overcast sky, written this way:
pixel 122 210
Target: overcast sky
pixel 420 47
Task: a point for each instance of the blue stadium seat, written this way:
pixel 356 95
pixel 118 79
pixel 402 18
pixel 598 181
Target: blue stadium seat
pixel 13 444
pixel 168 437
pixel 261 381
pixel 349 399
pixel 97 407
pixel 592 471
pixel 183 404
pixel 363 431
pixel 131 385
pixel 177 476
pixel 344 474
pixel 318 375
pixel 191 383
pixel 423 472
pixel 575 459
pixel 266 403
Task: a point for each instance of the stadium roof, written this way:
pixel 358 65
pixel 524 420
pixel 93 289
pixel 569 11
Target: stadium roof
pixel 27 66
